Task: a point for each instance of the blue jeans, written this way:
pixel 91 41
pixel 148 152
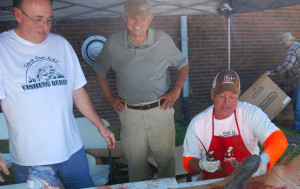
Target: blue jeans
pixel 73 173
pixel 296 105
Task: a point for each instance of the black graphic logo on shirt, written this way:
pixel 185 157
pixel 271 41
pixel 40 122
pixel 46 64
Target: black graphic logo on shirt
pixel 43 72
pixel 229 133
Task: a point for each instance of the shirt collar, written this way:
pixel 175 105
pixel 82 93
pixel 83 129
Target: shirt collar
pixel 146 43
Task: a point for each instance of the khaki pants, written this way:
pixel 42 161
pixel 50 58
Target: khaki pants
pixel 148 130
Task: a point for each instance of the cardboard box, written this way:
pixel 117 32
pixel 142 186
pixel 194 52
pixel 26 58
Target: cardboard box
pixel 265 94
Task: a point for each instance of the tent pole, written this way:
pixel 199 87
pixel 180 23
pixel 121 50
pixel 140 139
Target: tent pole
pixel 185 88
pixel 228 22
pixel 226 10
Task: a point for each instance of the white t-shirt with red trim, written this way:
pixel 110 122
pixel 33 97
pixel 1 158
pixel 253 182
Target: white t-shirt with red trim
pixel 36 87
pixel 253 123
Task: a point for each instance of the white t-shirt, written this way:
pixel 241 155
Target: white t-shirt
pixel 253 123
pixel 36 86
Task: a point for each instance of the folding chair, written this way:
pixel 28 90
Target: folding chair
pixel 92 139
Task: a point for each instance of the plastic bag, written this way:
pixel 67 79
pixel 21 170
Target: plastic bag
pixel 42 177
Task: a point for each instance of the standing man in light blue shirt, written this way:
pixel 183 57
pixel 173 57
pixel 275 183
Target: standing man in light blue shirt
pixel 141 56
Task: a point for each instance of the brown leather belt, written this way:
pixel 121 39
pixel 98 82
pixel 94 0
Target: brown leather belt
pixel 146 106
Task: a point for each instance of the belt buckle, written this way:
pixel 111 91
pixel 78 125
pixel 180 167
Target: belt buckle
pixel 141 107
pixel 145 106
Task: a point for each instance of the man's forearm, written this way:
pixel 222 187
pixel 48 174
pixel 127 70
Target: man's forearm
pixel 181 76
pixel 285 66
pixel 84 105
pixel 194 165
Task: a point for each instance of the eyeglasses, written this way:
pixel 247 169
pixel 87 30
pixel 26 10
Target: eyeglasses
pixel 38 21
pixel 231 99
pixel 142 19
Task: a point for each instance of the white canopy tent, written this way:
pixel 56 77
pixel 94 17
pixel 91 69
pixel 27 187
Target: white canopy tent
pixel 88 9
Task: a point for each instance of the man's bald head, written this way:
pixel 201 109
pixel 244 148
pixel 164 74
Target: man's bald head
pixel 19 3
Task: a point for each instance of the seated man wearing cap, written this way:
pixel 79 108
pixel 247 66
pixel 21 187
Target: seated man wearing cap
pixel 140 57
pixel 230 130
pixel 291 68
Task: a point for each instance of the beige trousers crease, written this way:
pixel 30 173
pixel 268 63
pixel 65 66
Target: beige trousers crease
pixel 144 131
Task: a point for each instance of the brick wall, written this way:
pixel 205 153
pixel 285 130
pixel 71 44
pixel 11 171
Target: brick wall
pixel 254 49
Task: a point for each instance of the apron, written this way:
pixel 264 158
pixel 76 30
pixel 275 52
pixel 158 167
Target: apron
pixel 226 149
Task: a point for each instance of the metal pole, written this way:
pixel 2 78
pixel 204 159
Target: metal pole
pixel 111 172
pixel 228 22
pixel 185 88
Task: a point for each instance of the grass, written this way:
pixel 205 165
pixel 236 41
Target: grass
pixel 120 176
pixel 289 130
pixel 180 134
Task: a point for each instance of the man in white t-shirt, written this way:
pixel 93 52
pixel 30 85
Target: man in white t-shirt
pixel 230 130
pixel 40 79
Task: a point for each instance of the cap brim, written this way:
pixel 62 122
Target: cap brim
pixel 220 90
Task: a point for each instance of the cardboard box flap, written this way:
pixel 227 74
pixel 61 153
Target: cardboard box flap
pixel 253 88
pixel 265 94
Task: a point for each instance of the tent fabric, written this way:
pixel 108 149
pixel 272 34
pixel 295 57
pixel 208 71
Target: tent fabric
pixel 243 6
pixel 90 9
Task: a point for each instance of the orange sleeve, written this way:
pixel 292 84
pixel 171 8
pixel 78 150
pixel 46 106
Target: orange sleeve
pixel 275 146
pixel 186 161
